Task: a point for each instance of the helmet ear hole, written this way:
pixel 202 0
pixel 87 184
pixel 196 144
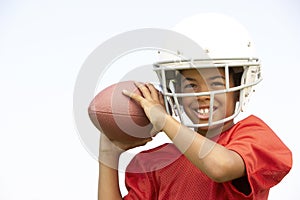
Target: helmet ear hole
pixel 237 73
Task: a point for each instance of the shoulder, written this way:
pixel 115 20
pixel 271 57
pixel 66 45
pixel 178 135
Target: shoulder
pixel 266 157
pixel 250 127
pixel 252 132
pixel 252 120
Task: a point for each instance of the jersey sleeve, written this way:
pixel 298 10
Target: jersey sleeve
pixel 139 186
pixel 266 158
pixel 140 175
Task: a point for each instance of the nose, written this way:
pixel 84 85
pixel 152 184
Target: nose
pixel 203 88
pixel 203 98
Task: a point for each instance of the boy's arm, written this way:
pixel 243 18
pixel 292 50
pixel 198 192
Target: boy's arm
pixel 109 154
pixel 108 185
pixel 217 162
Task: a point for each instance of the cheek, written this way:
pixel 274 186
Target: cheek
pixel 230 102
pixel 227 101
pixel 186 101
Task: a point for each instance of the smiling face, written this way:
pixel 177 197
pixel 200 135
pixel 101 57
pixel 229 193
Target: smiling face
pixel 198 108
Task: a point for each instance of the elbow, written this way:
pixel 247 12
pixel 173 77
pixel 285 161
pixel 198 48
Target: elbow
pixel 219 179
pixel 218 176
pixel 224 171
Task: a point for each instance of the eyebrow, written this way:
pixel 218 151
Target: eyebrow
pixel 189 79
pixel 210 78
pixel 216 77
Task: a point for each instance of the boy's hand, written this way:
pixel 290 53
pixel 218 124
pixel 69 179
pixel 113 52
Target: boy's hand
pixel 153 104
pixel 118 147
pixel 110 151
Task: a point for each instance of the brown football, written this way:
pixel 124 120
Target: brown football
pixel 117 116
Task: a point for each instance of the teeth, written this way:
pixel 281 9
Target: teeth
pixel 203 111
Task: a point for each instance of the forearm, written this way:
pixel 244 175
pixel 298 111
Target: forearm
pixel 108 183
pixel 217 162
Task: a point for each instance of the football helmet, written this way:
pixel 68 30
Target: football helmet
pixel 226 45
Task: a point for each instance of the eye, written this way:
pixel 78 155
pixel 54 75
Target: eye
pixel 217 85
pixel 217 82
pixel 189 87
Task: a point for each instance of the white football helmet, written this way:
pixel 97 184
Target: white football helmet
pixel 226 44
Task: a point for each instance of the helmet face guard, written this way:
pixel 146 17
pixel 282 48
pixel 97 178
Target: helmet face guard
pixel 168 73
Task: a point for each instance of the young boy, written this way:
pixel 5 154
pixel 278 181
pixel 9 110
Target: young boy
pixel 211 156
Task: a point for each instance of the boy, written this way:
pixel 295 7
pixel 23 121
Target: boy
pixel 211 156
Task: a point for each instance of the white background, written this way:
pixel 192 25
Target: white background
pixel 42 47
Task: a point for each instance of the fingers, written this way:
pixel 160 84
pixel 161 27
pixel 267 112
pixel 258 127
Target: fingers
pixel 133 95
pixel 161 99
pixel 149 92
pixel 153 91
pixel 144 90
pixel 131 145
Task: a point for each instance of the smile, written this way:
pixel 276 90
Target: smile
pixel 203 113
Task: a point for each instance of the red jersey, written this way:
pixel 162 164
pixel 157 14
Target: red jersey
pixel 165 174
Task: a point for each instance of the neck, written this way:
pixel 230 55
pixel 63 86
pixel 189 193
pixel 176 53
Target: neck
pixel 214 131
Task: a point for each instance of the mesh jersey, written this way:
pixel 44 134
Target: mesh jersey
pixel 165 174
